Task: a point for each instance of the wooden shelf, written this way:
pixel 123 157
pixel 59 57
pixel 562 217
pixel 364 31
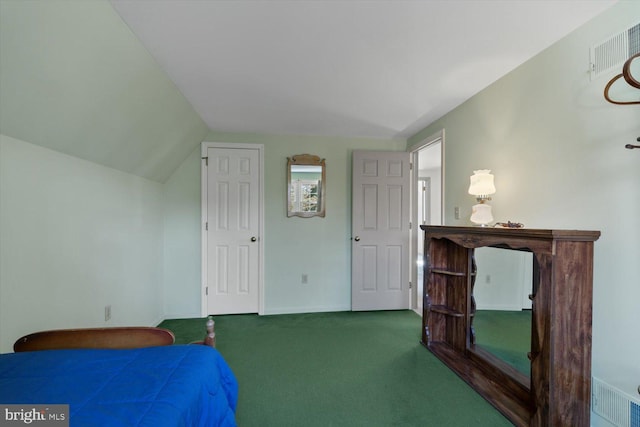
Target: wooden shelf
pixel 447 272
pixel 558 390
pixel 447 311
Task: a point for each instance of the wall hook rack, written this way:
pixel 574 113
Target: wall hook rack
pixel 631 146
pixel 631 80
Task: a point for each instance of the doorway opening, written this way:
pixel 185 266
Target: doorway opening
pixel 427 195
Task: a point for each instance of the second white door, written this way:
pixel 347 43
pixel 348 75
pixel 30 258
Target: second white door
pixel 380 231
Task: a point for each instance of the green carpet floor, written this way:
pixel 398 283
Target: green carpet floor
pixel 339 369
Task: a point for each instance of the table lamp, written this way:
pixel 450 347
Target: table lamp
pixel 481 186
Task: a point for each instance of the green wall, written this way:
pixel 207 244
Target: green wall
pixel 75 237
pixel 556 148
pixel 318 247
pixel 75 234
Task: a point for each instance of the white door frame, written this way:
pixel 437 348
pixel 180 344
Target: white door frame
pixel 425 185
pixel 415 229
pixel 204 182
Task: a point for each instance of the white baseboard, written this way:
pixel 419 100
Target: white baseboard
pixel 300 310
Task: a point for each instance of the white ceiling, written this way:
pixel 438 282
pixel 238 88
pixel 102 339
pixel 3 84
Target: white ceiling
pixel 381 69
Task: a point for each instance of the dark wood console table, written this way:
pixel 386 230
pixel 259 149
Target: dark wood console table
pixel 558 392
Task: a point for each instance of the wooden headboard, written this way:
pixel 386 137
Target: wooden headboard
pixel 123 337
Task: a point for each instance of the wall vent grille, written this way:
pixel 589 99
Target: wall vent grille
pixel 614 51
pixel 614 405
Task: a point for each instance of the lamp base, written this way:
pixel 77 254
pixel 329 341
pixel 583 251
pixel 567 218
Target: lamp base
pixel 481 214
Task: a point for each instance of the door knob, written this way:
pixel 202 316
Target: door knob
pixel 253 239
pixel 357 238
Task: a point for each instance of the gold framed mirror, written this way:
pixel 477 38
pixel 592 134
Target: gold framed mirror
pixel 306 182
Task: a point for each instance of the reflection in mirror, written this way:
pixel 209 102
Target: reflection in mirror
pixel 305 186
pixel 502 321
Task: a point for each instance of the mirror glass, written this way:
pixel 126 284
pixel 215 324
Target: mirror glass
pixel 305 186
pixel 502 322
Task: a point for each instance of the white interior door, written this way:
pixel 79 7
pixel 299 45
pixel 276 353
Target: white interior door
pixel 232 222
pixel 380 230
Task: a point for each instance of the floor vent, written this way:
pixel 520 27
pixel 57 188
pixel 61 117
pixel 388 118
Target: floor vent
pixel 614 51
pixel 614 405
pixel 635 414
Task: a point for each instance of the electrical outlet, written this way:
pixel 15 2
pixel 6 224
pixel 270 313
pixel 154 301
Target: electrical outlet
pixel 107 313
pixel 456 212
pixel 305 279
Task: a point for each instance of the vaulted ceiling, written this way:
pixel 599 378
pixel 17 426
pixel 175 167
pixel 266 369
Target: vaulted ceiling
pixel 136 85
pixel 378 69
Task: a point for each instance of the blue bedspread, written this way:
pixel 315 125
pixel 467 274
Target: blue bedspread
pixel 180 385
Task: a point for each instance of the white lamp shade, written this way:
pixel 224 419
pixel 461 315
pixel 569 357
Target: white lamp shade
pixel 481 214
pixel 481 183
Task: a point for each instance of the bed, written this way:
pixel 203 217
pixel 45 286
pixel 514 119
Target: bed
pixel 124 385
